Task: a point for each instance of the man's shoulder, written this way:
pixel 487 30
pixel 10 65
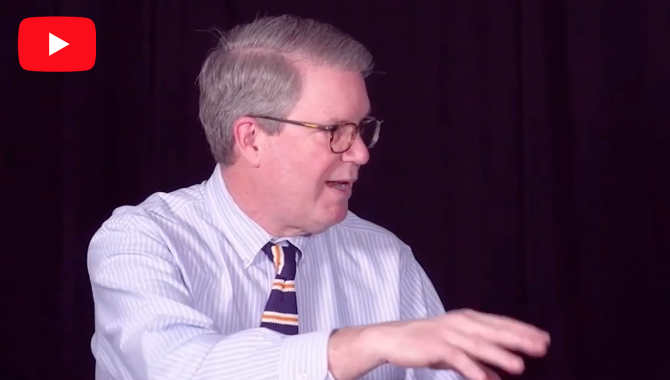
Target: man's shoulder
pixel 354 225
pixel 353 222
pixel 160 208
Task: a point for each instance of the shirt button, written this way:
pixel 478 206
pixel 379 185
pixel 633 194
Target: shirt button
pixel 302 376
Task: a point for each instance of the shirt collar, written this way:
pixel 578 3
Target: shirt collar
pixel 244 234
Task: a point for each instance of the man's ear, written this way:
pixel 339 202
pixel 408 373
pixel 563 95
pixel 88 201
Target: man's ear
pixel 246 133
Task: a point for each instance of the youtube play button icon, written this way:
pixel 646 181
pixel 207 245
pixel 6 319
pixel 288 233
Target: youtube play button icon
pixel 57 44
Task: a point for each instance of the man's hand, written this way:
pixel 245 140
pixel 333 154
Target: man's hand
pixel 462 340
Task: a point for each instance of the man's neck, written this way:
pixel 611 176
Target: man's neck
pixel 242 189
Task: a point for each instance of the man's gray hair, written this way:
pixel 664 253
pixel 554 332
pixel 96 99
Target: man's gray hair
pixel 253 71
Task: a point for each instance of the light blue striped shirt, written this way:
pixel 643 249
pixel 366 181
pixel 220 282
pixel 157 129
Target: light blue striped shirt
pixel 180 283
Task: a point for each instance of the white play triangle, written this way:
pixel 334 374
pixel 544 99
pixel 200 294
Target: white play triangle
pixel 55 44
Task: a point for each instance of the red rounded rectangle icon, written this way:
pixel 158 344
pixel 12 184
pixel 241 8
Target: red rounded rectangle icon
pixel 57 44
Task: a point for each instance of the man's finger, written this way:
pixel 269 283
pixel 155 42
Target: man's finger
pixel 458 360
pixel 506 334
pixel 491 374
pixel 484 350
pixel 511 324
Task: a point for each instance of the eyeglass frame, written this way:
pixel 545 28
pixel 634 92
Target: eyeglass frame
pixel 332 128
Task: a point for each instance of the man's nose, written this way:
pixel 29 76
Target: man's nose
pixel 358 153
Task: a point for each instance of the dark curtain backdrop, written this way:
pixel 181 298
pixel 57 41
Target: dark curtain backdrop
pixel 524 157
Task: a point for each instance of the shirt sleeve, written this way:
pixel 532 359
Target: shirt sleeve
pixel 418 299
pixel 146 327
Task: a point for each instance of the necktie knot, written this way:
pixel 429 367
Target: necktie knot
pixel 284 256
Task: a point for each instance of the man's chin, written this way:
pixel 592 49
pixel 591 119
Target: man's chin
pixel 330 217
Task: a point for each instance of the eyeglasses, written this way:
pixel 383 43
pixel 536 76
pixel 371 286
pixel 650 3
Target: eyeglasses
pixel 342 135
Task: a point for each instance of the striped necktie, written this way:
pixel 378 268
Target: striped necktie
pixel 281 310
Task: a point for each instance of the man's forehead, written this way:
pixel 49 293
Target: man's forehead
pixel 332 96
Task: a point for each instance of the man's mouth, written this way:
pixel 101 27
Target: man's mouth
pixel 340 185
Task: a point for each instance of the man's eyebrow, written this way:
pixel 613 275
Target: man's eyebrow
pixel 336 120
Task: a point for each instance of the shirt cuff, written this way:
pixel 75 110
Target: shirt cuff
pixel 305 357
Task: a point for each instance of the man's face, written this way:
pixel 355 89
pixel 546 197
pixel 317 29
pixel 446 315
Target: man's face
pixel 308 183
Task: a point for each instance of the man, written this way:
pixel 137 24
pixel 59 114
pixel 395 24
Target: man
pixel 261 272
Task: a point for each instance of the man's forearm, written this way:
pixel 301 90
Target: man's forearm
pixel 254 354
pixel 352 353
